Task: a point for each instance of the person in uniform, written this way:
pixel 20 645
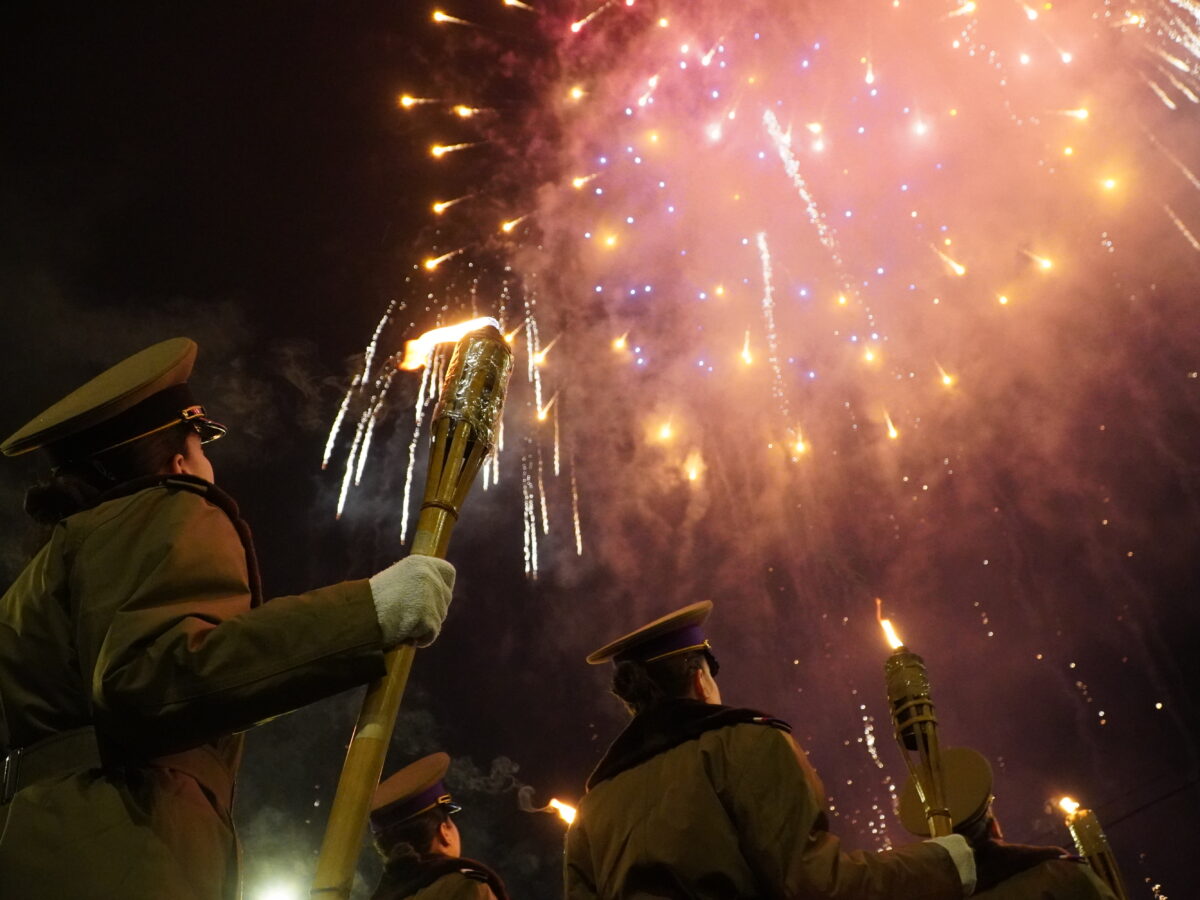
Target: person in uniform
pixel 695 799
pixel 419 842
pixel 968 782
pixel 136 646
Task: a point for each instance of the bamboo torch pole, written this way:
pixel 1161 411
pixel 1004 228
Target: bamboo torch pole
pixel 463 432
pixel 916 729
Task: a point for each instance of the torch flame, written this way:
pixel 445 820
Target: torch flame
pixel 565 811
pixel 889 631
pixel 417 351
pixel 1069 806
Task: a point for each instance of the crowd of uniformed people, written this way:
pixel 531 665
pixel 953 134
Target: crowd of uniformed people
pixel 137 646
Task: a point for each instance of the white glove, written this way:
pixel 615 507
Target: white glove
pixel 411 599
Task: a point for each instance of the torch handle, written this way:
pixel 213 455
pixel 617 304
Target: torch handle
pixel 369 745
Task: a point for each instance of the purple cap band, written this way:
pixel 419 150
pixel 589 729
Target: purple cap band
pixel 673 641
pixel 402 811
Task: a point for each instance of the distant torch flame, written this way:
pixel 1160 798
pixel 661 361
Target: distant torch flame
pixel 416 352
pixel 1069 806
pixel 889 631
pixel 565 811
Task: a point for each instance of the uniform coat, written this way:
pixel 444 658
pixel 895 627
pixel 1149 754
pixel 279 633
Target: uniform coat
pixel 699 801
pixel 1055 879
pixel 141 618
pixel 442 878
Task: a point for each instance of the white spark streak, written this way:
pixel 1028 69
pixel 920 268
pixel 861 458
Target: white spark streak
pixel 575 510
pixel 1183 229
pixel 783 145
pixel 541 484
pixel 557 453
pixel 530 520
pixel 359 380
pixel 768 310
pixel 418 416
pixel 1160 93
pixel 1175 160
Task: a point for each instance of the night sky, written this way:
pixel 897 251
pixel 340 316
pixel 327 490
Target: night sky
pixel 243 174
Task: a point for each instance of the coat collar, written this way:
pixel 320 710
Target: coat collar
pixel 430 868
pixel 668 725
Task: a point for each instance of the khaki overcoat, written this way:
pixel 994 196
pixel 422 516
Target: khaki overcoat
pixel 736 811
pixel 443 878
pixel 140 619
pixel 1055 879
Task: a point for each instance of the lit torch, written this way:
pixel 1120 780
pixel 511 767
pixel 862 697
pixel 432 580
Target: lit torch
pixel 463 433
pixel 916 728
pixel 1093 845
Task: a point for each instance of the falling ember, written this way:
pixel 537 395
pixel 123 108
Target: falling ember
pixel 622 342
pixel 434 261
pixel 544 411
pixel 580 180
pixel 407 101
pixel 693 466
pixel 891 428
pixel 418 350
pixel 946 378
pixel 539 357
pixel 1042 262
pixel 443 18
pixel 439 150
pixel 441 206
pixel 466 112
pixel 519 5
pixel 1002 299
pixel 512 335
pixel 956 267
pixel 747 356
pixel 665 431
pixel 1079 114
pixel 799 446
pixel 565 811
pixel 508 226
pixel 578 25
pixel 965 10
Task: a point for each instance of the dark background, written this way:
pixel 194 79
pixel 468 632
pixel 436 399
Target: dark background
pixel 239 173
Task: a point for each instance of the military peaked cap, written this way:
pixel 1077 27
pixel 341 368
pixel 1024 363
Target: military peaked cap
pixel 415 789
pixel 140 395
pixel 675 633
pixel 967 778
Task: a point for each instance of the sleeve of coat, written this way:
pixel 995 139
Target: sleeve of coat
pixel 579 879
pixel 166 631
pixel 775 801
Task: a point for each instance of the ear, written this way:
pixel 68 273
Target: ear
pixel 177 466
pixel 445 833
pixel 699 688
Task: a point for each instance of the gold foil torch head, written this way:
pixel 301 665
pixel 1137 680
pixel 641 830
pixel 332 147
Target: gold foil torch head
pixel 464 429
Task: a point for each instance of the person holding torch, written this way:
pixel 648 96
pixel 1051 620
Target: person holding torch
pixel 137 645
pixel 696 799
